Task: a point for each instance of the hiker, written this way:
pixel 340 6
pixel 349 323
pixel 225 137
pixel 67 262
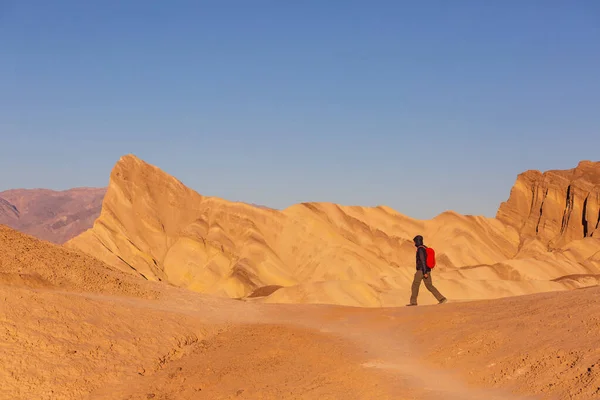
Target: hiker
pixel 423 274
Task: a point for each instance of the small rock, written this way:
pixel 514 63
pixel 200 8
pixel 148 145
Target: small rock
pixel 150 396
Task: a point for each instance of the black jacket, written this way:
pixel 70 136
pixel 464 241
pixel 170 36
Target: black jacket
pixel 421 256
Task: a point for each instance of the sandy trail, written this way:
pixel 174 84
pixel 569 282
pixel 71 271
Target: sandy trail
pixel 392 351
pixel 379 351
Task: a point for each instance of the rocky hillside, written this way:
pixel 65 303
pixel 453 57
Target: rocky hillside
pixel 555 207
pixel 55 216
pixel 31 262
pixel 153 226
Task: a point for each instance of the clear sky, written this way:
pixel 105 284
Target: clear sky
pixel 423 106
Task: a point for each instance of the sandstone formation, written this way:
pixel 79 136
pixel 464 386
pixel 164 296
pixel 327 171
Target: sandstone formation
pixel 72 327
pixel 152 226
pixel 556 206
pixel 55 216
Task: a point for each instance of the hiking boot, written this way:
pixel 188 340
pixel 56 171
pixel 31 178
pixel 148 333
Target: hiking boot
pixel 442 301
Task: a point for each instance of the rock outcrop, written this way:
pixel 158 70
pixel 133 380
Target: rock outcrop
pixel 557 206
pixel 153 226
pixel 55 216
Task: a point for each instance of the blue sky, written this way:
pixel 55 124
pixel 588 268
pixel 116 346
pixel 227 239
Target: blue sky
pixel 423 106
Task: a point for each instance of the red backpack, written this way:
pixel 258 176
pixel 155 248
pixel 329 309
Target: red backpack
pixel 430 257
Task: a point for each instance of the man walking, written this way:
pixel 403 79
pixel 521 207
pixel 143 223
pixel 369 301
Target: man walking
pixel 423 274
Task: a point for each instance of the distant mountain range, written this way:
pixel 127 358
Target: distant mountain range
pixel 55 216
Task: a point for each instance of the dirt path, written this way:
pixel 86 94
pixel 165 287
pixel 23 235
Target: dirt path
pixel 391 351
pixel 289 351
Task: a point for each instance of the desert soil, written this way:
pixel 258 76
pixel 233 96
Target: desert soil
pixel 61 345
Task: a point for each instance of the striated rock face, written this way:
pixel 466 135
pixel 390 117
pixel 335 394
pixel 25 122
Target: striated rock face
pixel 55 216
pixel 154 226
pixel 557 206
pixel 151 225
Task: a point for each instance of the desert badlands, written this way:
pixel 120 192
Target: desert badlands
pixel 174 295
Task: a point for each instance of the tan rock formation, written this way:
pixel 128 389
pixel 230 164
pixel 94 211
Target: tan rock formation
pixel 555 207
pixel 154 226
pixel 51 215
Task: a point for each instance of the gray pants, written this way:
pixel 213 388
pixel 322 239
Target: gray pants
pixel 428 284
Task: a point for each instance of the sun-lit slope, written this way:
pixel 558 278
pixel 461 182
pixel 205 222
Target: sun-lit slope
pixel 59 344
pixel 140 213
pixel 152 225
pixel 30 262
pixel 228 250
pixel 474 259
pixel 545 344
pixel 535 263
pixel 375 239
pixel 367 258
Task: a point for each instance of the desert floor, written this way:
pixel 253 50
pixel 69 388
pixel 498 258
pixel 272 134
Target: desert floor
pixel 181 345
